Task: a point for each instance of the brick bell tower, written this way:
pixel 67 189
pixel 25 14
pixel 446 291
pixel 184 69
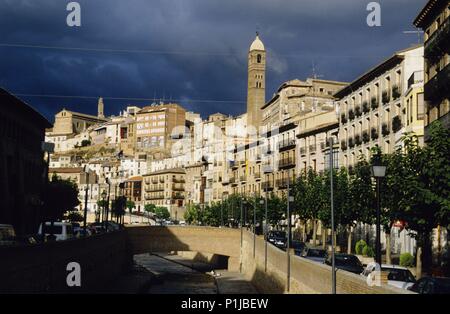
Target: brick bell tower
pixel 256 89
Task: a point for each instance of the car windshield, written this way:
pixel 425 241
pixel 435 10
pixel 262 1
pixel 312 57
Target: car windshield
pixel 316 253
pixel 399 275
pixel 277 234
pixel 346 260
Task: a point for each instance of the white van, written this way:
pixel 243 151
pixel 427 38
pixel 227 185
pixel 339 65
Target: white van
pixel 62 230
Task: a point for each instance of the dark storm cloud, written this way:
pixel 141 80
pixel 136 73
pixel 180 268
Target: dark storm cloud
pixel 201 45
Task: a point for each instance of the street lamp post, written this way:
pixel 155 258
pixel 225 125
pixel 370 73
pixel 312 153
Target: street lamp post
pixel 378 172
pixel 333 244
pixel 288 242
pixel 107 204
pixel 103 204
pixel 86 203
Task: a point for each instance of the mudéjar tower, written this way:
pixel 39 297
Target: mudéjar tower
pixel 256 89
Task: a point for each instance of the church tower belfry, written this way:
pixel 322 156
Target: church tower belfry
pixel 256 89
pixel 100 109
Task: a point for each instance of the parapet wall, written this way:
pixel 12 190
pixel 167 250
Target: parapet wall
pixel 305 276
pixel 41 268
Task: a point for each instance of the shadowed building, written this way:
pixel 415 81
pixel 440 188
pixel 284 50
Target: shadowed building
pixel 22 167
pixel 434 20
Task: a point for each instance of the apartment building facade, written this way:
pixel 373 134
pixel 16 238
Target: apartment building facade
pixel 158 125
pixel 434 19
pixel 372 108
pixel 166 188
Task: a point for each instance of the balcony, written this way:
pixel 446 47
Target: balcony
pixel 177 196
pixel 351 115
pixel 396 93
pixel 243 179
pixel 283 183
pixel 258 158
pixel 177 187
pixel 396 124
pixel 365 107
pixel 438 43
pixel 257 175
pixel 358 111
pixel 365 137
pixel 234 164
pixel 373 133
pixel 161 180
pixel 438 87
pixel 155 188
pixel 286 145
pixel 385 97
pixel 225 181
pixel 358 140
pixel 178 180
pixel 374 104
pixel 343 118
pixel 267 186
pixel 351 143
pixel 286 163
pixel 154 181
pixel 385 129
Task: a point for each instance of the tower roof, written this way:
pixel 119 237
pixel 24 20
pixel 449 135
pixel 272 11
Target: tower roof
pixel 257 44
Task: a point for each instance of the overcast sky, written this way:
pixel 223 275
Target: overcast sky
pixel 192 51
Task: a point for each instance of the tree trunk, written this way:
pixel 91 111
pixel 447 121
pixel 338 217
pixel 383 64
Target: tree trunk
pixel 419 262
pixel 324 237
pixel 349 240
pixel 304 231
pixel 388 247
pixel 314 232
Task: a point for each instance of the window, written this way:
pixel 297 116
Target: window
pixel 258 58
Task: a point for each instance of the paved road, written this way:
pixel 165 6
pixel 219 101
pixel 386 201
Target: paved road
pixel 175 275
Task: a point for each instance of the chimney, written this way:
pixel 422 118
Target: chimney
pixel 101 107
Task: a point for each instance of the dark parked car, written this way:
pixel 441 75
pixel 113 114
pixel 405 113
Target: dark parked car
pixel 277 238
pixel 313 254
pixel 346 262
pixel 432 285
pixel 298 247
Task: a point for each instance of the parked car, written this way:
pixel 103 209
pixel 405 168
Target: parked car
pixel 298 247
pixel 277 238
pixel 398 276
pixel 432 285
pixel 314 254
pixel 347 262
pixel 182 223
pixel 7 235
pixel 80 232
pixel 61 230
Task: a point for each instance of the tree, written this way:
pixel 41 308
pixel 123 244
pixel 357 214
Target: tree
pixel 75 216
pixel 118 207
pixel 162 212
pixel 193 214
pixel 60 196
pixel 149 209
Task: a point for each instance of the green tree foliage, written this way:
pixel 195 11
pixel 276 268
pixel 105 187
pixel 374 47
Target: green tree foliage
pixel 406 260
pixel 74 216
pixel 60 196
pixel 131 205
pixel 360 246
pixel 162 212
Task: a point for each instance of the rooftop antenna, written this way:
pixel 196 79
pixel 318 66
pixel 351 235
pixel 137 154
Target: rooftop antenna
pixel 418 32
pixel 314 74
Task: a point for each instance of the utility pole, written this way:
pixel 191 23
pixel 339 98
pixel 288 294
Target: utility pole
pixel 86 190
pixel 333 244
